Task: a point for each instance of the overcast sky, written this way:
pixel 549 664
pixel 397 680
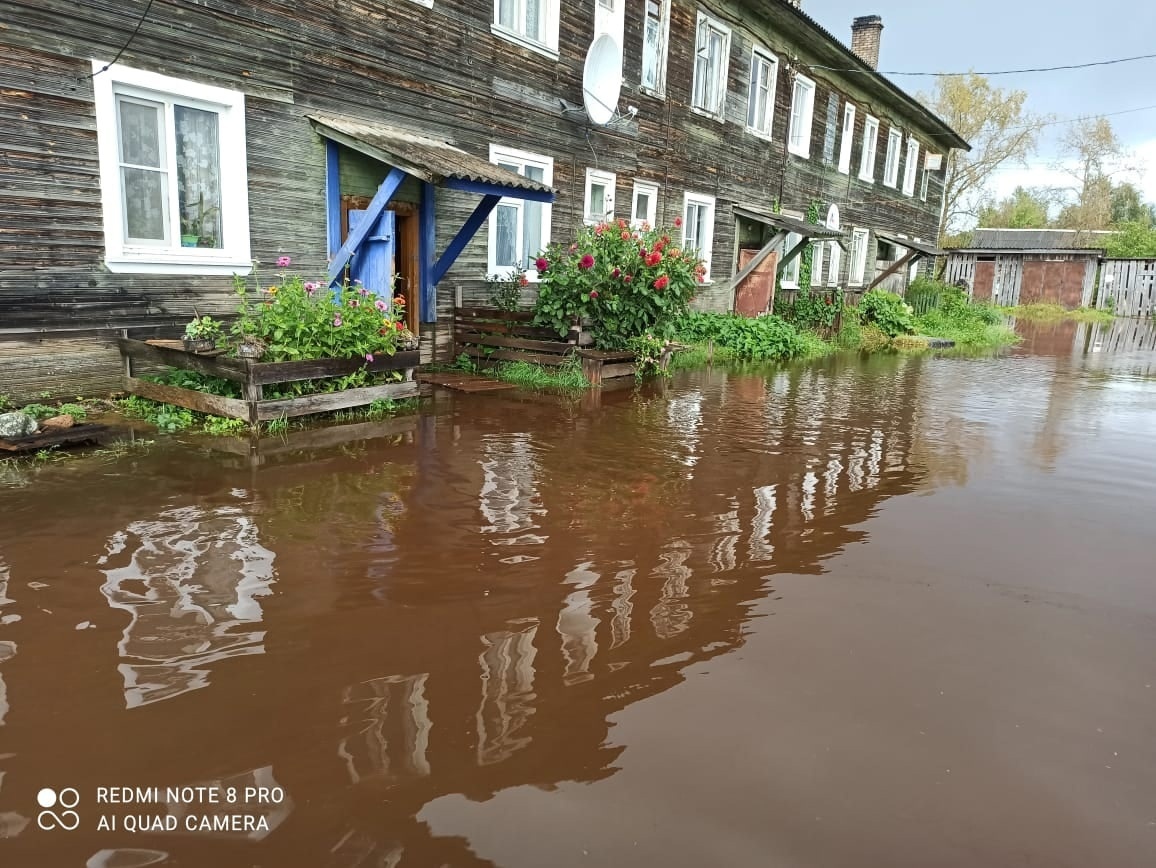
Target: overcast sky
pixel 1013 34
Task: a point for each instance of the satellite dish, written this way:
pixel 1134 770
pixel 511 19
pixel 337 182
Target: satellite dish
pixel 602 79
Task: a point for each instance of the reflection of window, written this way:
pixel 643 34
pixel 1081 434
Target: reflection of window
pixel 891 167
pixel 531 22
pixel 790 278
pixel 870 149
pixel 388 724
pixel 802 117
pixel 711 55
pixel 848 138
pixel 761 100
pixel 599 203
pixel 655 32
pixel 173 173
pixel 507 693
pixel 645 203
pixel 698 226
pixel 859 241
pixel 519 229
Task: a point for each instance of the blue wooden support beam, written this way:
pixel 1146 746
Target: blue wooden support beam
pixel 332 197
pixel 426 249
pixel 487 189
pixel 357 234
pixel 469 230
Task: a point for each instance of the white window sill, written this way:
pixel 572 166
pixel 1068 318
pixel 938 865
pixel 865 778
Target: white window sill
pixel 789 284
pixel 519 39
pixel 177 265
pixel 805 153
pixel 759 134
pixel 867 179
pixel 894 186
pixel 843 171
pixel 652 91
pixel 706 113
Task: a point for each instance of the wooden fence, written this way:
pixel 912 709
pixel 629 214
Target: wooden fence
pixel 1128 287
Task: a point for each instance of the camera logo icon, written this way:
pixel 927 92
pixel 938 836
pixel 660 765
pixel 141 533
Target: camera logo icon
pixel 66 799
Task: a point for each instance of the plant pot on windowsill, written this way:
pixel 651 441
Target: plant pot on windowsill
pixel 199 345
pixel 190 240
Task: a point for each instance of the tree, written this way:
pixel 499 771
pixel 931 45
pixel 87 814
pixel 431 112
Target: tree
pixel 1092 154
pixel 1132 241
pixel 1128 206
pixel 999 129
pixel 1023 209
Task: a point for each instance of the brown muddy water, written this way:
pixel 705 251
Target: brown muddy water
pixel 893 612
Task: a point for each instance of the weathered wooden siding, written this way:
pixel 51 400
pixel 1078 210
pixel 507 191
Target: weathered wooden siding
pixel 440 71
pixel 1128 286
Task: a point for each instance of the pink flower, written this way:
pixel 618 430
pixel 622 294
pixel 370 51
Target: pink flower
pixel 587 262
pixel 283 261
pixel 353 302
pixel 337 321
pixel 625 235
pixel 381 305
pixel 654 258
pixel 310 286
pixel 541 263
pixel 369 357
pixel 573 248
pixel 662 283
pixel 627 279
pixel 594 293
pixel 616 273
pixel 600 228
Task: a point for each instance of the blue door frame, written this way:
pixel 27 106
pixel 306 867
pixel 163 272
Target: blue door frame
pixel 431 268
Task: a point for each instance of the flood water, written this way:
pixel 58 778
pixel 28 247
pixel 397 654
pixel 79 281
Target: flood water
pixel 895 612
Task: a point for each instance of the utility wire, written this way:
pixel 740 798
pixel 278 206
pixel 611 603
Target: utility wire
pixel 1088 65
pixel 140 23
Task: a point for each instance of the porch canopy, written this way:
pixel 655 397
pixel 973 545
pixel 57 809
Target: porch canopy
pixel 916 250
pixel 435 164
pixel 785 225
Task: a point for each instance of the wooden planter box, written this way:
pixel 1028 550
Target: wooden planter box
pixel 254 376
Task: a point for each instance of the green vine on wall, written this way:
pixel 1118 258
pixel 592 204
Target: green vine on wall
pixel 807 257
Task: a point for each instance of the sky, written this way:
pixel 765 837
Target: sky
pixel 985 35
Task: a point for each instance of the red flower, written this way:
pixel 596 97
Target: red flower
pixel 643 252
pixel 594 293
pixel 654 258
pixel 625 235
pixel 587 262
pixel 627 279
pixel 541 263
pixel 525 280
pixel 600 228
pixel 677 222
pixel 397 325
pixel 621 223
pixel 662 283
pixel 615 273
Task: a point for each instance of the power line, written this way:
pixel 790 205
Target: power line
pixel 140 23
pixel 1088 65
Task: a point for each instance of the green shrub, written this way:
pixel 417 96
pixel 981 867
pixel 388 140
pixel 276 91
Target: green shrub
pixel 888 311
pixel 810 310
pixel 764 338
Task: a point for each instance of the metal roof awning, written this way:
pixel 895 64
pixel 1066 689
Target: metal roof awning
pixel 790 224
pixel 430 160
pixel 910 243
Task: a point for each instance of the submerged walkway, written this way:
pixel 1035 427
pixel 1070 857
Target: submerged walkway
pixel 462 381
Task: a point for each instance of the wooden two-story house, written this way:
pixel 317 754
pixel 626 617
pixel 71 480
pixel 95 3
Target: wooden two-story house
pixel 152 149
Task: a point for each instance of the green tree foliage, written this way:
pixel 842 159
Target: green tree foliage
pixel 1000 131
pixel 1133 240
pixel 1093 155
pixel 1128 206
pixel 1024 209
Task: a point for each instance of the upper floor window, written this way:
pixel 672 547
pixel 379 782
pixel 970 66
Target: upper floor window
pixel 174 185
pixel 802 116
pixel 698 226
pixel 711 56
pixel 644 206
pixel 891 167
pixel 519 229
pixel 655 32
pixel 761 101
pixel 870 149
pixel 848 139
pixel 533 23
pixel 924 185
pixel 911 167
pixel 832 130
pixel 599 199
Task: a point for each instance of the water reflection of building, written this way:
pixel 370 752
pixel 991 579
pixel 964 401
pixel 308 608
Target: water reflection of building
pixel 191 587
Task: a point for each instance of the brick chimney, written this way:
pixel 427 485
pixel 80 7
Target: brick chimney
pixel 866 32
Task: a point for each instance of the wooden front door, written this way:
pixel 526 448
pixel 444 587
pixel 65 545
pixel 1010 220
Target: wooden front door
pixel 756 293
pixel 403 258
pixel 984 280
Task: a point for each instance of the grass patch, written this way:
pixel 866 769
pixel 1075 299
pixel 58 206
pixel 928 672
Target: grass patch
pixel 1046 313
pixel 909 343
pixel 567 376
pixel 969 325
pixel 757 339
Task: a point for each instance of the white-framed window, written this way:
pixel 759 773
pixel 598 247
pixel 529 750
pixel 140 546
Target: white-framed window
pixel 428 4
pixel 924 185
pixel 870 149
pixel 530 23
pixel 847 140
pixel 835 263
pixel 891 167
pixel 831 133
pixel 802 116
pixel 599 199
pixel 911 167
pixel 698 226
pixel 860 238
pixel 173 177
pixel 761 97
pixel 790 278
pixel 609 17
pixel 519 229
pixel 712 51
pixel 644 204
pixel 818 252
pixel 655 34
